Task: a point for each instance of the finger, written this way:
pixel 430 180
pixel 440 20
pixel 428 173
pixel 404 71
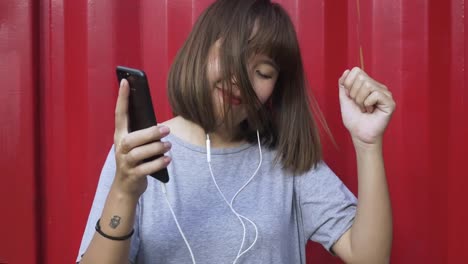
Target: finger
pixel 379 100
pixel 352 93
pixel 121 108
pixel 342 91
pixel 142 137
pixel 369 109
pixel 349 80
pixel 387 93
pixel 139 154
pixel 147 168
pixel 363 93
pixel 357 85
pixel 384 87
pixel 343 77
pixel 345 100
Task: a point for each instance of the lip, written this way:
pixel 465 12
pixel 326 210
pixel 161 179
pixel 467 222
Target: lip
pixel 233 100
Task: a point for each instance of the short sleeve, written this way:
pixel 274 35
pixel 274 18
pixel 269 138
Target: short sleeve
pixel 327 206
pixel 105 182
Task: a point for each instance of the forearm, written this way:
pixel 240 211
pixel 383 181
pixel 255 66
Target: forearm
pixel 371 234
pixel 104 250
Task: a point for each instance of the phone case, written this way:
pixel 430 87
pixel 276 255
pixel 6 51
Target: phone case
pixel 140 108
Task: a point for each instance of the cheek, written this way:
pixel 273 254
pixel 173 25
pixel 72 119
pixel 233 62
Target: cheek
pixel 264 89
pixel 212 70
pixel 213 66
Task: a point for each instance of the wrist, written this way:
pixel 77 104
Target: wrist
pixel 121 196
pixel 368 147
pixel 118 214
pixel 128 189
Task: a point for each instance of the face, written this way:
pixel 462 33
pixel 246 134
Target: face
pixel 263 74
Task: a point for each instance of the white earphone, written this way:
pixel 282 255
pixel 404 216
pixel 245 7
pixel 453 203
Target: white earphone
pixel 230 204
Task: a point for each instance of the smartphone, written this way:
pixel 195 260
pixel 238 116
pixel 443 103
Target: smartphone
pixel 140 108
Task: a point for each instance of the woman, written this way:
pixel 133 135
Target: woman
pixel 248 184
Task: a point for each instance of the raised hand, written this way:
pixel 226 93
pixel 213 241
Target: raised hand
pixel 366 106
pixel 132 148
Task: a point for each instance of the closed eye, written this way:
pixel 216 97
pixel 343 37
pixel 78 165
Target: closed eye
pixel 264 76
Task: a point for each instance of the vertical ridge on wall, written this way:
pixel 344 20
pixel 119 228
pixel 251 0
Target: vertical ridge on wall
pixel 154 23
pixel 458 131
pixel 179 22
pixel 36 64
pixel 18 144
pixel 128 35
pixel 337 51
pixel 440 68
pixel 77 131
pixel 102 88
pixel 53 129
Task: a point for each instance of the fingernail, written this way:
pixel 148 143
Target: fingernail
pixel 167 145
pixel 167 159
pixel 164 130
pixel 122 82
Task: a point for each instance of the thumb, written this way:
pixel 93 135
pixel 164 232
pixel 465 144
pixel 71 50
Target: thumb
pixel 121 108
pixel 345 101
pixel 344 98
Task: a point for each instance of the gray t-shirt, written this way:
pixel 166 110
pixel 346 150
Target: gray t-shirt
pixel 288 210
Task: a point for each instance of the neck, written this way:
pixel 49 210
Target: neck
pixel 195 134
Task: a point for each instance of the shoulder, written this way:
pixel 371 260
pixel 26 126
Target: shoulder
pixel 319 179
pixel 171 123
pixel 319 171
pixel 178 128
pixel 186 130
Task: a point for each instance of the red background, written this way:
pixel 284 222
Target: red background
pixel 58 90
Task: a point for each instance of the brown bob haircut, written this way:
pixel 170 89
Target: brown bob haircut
pixel 285 121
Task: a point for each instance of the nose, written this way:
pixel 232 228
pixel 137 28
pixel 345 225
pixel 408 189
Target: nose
pixel 234 87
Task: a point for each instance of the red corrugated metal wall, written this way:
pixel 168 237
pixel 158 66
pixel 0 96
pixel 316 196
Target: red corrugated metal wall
pixel 19 135
pixel 57 60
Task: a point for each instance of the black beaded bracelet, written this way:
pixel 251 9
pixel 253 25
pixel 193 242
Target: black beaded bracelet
pixel 98 229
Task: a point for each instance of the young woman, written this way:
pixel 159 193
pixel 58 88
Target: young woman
pixel 247 180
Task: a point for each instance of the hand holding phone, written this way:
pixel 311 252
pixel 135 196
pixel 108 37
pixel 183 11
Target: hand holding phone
pixel 141 117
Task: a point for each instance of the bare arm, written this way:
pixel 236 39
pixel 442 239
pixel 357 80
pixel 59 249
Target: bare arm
pixel 369 239
pixel 116 220
pixel 118 216
pixel 366 109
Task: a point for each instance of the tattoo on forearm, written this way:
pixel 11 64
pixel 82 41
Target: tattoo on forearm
pixel 115 221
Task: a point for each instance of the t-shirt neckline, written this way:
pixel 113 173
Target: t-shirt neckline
pixel 214 151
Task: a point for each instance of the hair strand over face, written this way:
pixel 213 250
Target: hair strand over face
pixel 246 28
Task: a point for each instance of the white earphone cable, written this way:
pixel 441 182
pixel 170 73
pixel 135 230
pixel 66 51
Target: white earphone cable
pixel 245 185
pixel 230 204
pixel 163 187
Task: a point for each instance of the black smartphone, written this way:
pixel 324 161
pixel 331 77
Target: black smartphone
pixel 140 108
